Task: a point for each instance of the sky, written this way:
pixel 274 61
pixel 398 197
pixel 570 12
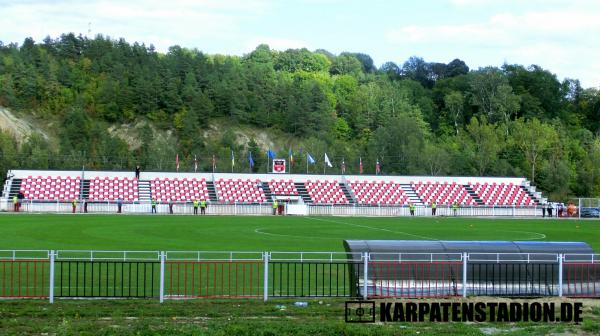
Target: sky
pixel 560 36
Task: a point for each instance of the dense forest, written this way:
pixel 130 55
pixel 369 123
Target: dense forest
pixel 417 118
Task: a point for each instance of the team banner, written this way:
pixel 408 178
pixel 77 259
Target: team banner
pixel 279 166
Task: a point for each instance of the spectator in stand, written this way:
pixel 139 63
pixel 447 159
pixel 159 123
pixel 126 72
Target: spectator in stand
pixel 137 172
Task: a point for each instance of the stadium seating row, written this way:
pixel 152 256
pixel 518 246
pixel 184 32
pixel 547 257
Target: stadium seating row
pixel 253 191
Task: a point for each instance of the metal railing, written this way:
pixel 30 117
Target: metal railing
pixel 220 208
pixel 246 274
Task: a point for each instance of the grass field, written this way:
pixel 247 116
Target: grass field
pixel 236 233
pixel 253 317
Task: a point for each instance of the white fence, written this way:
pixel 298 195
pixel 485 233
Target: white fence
pixel 186 208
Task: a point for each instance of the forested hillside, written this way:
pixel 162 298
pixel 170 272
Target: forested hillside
pixel 415 118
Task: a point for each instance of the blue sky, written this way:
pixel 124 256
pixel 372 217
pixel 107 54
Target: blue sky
pixel 561 36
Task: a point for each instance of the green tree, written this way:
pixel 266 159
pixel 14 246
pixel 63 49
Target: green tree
pixel 483 144
pixel 454 102
pixel 534 139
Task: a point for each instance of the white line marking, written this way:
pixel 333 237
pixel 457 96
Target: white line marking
pixel 539 235
pixel 258 230
pixel 372 228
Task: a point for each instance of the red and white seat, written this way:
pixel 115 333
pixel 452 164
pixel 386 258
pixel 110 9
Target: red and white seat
pixel 113 188
pixel 378 192
pixel 63 188
pixel 443 193
pixel 178 190
pixel 325 192
pixel 240 191
pixel 283 187
pixel 502 194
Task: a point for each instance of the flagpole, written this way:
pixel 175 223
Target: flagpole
pixel 307 163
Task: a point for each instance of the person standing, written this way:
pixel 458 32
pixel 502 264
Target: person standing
pixel 74 203
pixel 455 208
pixel 153 205
pixel 275 205
pixel 137 172
pixel 15 204
pixel 196 203
pixel 119 205
pixel 20 198
pixel 543 211
pixel 549 209
pixel 171 206
pixel 411 208
pixel 203 206
pixel 433 207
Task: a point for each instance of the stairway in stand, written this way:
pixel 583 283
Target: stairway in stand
pixel 15 187
pixel 267 190
pixel 144 191
pixel 303 193
pixel 473 194
pixel 349 197
pixel 85 189
pixel 212 192
pixel 411 194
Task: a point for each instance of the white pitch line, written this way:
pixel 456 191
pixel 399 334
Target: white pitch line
pixel 258 230
pixel 540 235
pixel 372 228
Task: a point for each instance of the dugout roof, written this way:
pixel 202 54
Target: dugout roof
pixel 479 250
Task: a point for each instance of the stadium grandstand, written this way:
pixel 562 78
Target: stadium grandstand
pixel 226 193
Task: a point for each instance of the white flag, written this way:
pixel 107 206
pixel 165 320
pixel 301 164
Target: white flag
pixel 327 161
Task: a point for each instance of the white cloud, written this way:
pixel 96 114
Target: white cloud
pixel 184 22
pixel 561 41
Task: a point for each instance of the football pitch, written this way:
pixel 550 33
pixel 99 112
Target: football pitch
pixel 267 233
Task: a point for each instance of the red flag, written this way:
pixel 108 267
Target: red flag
pixel 177 162
pixel 195 163
pixel 377 168
pixel 360 166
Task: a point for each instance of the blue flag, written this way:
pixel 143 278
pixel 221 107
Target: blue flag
pixel 271 154
pixel 310 159
pixel 250 160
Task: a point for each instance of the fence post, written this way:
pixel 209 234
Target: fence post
pixel 560 274
pixel 266 277
pixel 366 275
pixel 51 284
pixel 464 280
pixel 162 277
